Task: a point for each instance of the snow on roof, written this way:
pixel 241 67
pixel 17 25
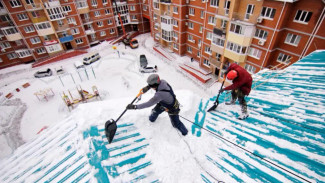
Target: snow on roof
pixel 281 141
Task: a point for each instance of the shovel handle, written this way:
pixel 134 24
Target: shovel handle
pixel 138 95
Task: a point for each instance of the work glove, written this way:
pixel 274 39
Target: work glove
pixel 131 106
pixel 221 90
pixel 145 89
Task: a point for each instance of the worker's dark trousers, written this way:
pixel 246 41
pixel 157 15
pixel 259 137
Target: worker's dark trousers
pixel 174 118
pixel 238 94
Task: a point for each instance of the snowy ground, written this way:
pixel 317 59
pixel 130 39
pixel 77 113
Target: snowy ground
pixel 69 138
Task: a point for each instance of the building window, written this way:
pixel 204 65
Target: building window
pixel 250 68
pixel 227 6
pixel 75 31
pixel 102 33
pixel 19 43
pixel 35 14
pixel 24 53
pixel 283 58
pixel 145 8
pixel 249 11
pixel 198 54
pixel 238 29
pixel 12 56
pixel 292 39
pixel 66 8
pixel 104 1
pixel 55 13
pixel 303 16
pixel 40 51
pixel 268 12
pixel 209 36
pixel 44 25
pixel 256 53
pixel 191 11
pixel 15 3
pixel 202 14
pixel 107 11
pixel 71 20
pixel 236 48
pixel 155 5
pixel 166 35
pixel 97 13
pixel 5 45
pixel 218 57
pixel 189 49
pixel 201 29
pixel 22 17
pixel 94 3
pixel 132 8
pixel 79 41
pixel 35 40
pixel 175 9
pixel 190 38
pixel 133 17
pixel 1 58
pixel 261 34
pixel 190 25
pixel 175 35
pixel 207 50
pixel 109 22
pixel 155 16
pixel 175 23
pixel 9 31
pixel 218 41
pixel 29 29
pixel 212 20
pixel 111 31
pixel 175 46
pixel 100 24
pixel 53 48
pixel 224 24
pixel 214 3
pixel 206 62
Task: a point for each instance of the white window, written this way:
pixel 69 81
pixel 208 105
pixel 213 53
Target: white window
pixel 29 29
pixel 175 46
pixel 256 53
pixel 206 62
pixel 209 36
pixel 268 12
pixel 190 38
pixel 133 17
pixel 107 11
pixel 35 40
pixel 94 3
pixel 111 31
pixel 236 48
pixel 175 9
pixel 261 34
pixel 292 39
pixel 283 58
pixel 201 29
pixel 55 13
pixel 145 8
pixel 227 6
pixel 66 8
pixel 97 13
pixel 175 35
pixel 104 1
pixel 15 3
pixel 100 24
pixel 9 31
pixel 207 50
pixel 202 14
pixel 109 22
pixel 212 20
pixel 156 5
pixel 12 56
pixel 249 11
pixel 218 41
pixel 238 29
pixel 166 35
pixel 5 45
pixel 189 49
pixel 71 20
pixel 23 53
pixel 44 25
pixel 102 33
pixel 191 11
pixel 190 25
pixel 75 31
pixel 250 68
pixel 35 14
pixel 79 41
pixel 175 23
pixel 40 51
pixel 132 8
pixel 303 16
pixel 224 24
pixel 22 17
pixel 214 3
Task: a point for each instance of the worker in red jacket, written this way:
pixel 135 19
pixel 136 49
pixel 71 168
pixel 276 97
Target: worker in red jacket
pixel 241 87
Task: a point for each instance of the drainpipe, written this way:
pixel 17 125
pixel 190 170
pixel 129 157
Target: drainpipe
pixel 205 18
pixel 276 27
pixel 312 36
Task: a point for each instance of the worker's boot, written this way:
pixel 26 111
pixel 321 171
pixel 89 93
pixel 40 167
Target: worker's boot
pixel 232 102
pixel 244 114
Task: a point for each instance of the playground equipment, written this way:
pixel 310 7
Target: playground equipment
pixel 44 94
pixel 83 96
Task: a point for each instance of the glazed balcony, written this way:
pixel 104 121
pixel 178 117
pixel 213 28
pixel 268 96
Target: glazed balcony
pixel 33 7
pixel 60 28
pixel 39 19
pixel 82 7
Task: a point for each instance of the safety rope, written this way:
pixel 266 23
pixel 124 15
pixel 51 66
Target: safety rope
pixel 268 161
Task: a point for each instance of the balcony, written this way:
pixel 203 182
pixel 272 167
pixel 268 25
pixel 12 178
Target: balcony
pixel 44 32
pixel 60 28
pixel 58 16
pixel 82 7
pixel 90 31
pixel 33 7
pixel 166 23
pixel 11 33
pixel 241 32
pixel 66 39
pixel 240 58
pixel 39 19
pixel 52 4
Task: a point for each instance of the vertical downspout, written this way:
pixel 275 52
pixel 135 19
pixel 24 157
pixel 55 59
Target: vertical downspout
pixel 205 18
pixel 276 28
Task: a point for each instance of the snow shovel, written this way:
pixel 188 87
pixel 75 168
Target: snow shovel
pixel 216 103
pixel 110 125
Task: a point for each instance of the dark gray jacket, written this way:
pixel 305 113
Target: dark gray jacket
pixel 159 96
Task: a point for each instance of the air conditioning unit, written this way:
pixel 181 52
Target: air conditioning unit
pixel 261 42
pixel 186 16
pixel 259 19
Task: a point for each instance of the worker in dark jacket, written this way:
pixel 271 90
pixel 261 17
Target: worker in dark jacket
pixel 165 100
pixel 241 87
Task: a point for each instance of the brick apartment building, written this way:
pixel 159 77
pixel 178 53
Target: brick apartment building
pixel 253 33
pixel 33 30
pixel 256 34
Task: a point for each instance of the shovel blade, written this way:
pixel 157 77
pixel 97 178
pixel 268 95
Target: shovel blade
pixel 110 130
pixel 213 107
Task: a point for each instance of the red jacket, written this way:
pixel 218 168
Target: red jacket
pixel 243 81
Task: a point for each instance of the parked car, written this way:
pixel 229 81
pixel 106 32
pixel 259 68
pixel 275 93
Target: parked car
pixel 78 64
pixel 148 69
pixel 90 58
pixel 43 73
pixel 59 70
pixel 143 61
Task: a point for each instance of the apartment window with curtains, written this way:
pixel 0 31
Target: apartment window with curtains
pixel 303 16
pixel 283 58
pixel 175 9
pixel 249 11
pixel 292 39
pixel 268 12
pixel 192 11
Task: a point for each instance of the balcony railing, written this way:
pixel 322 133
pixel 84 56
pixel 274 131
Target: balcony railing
pixel 60 28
